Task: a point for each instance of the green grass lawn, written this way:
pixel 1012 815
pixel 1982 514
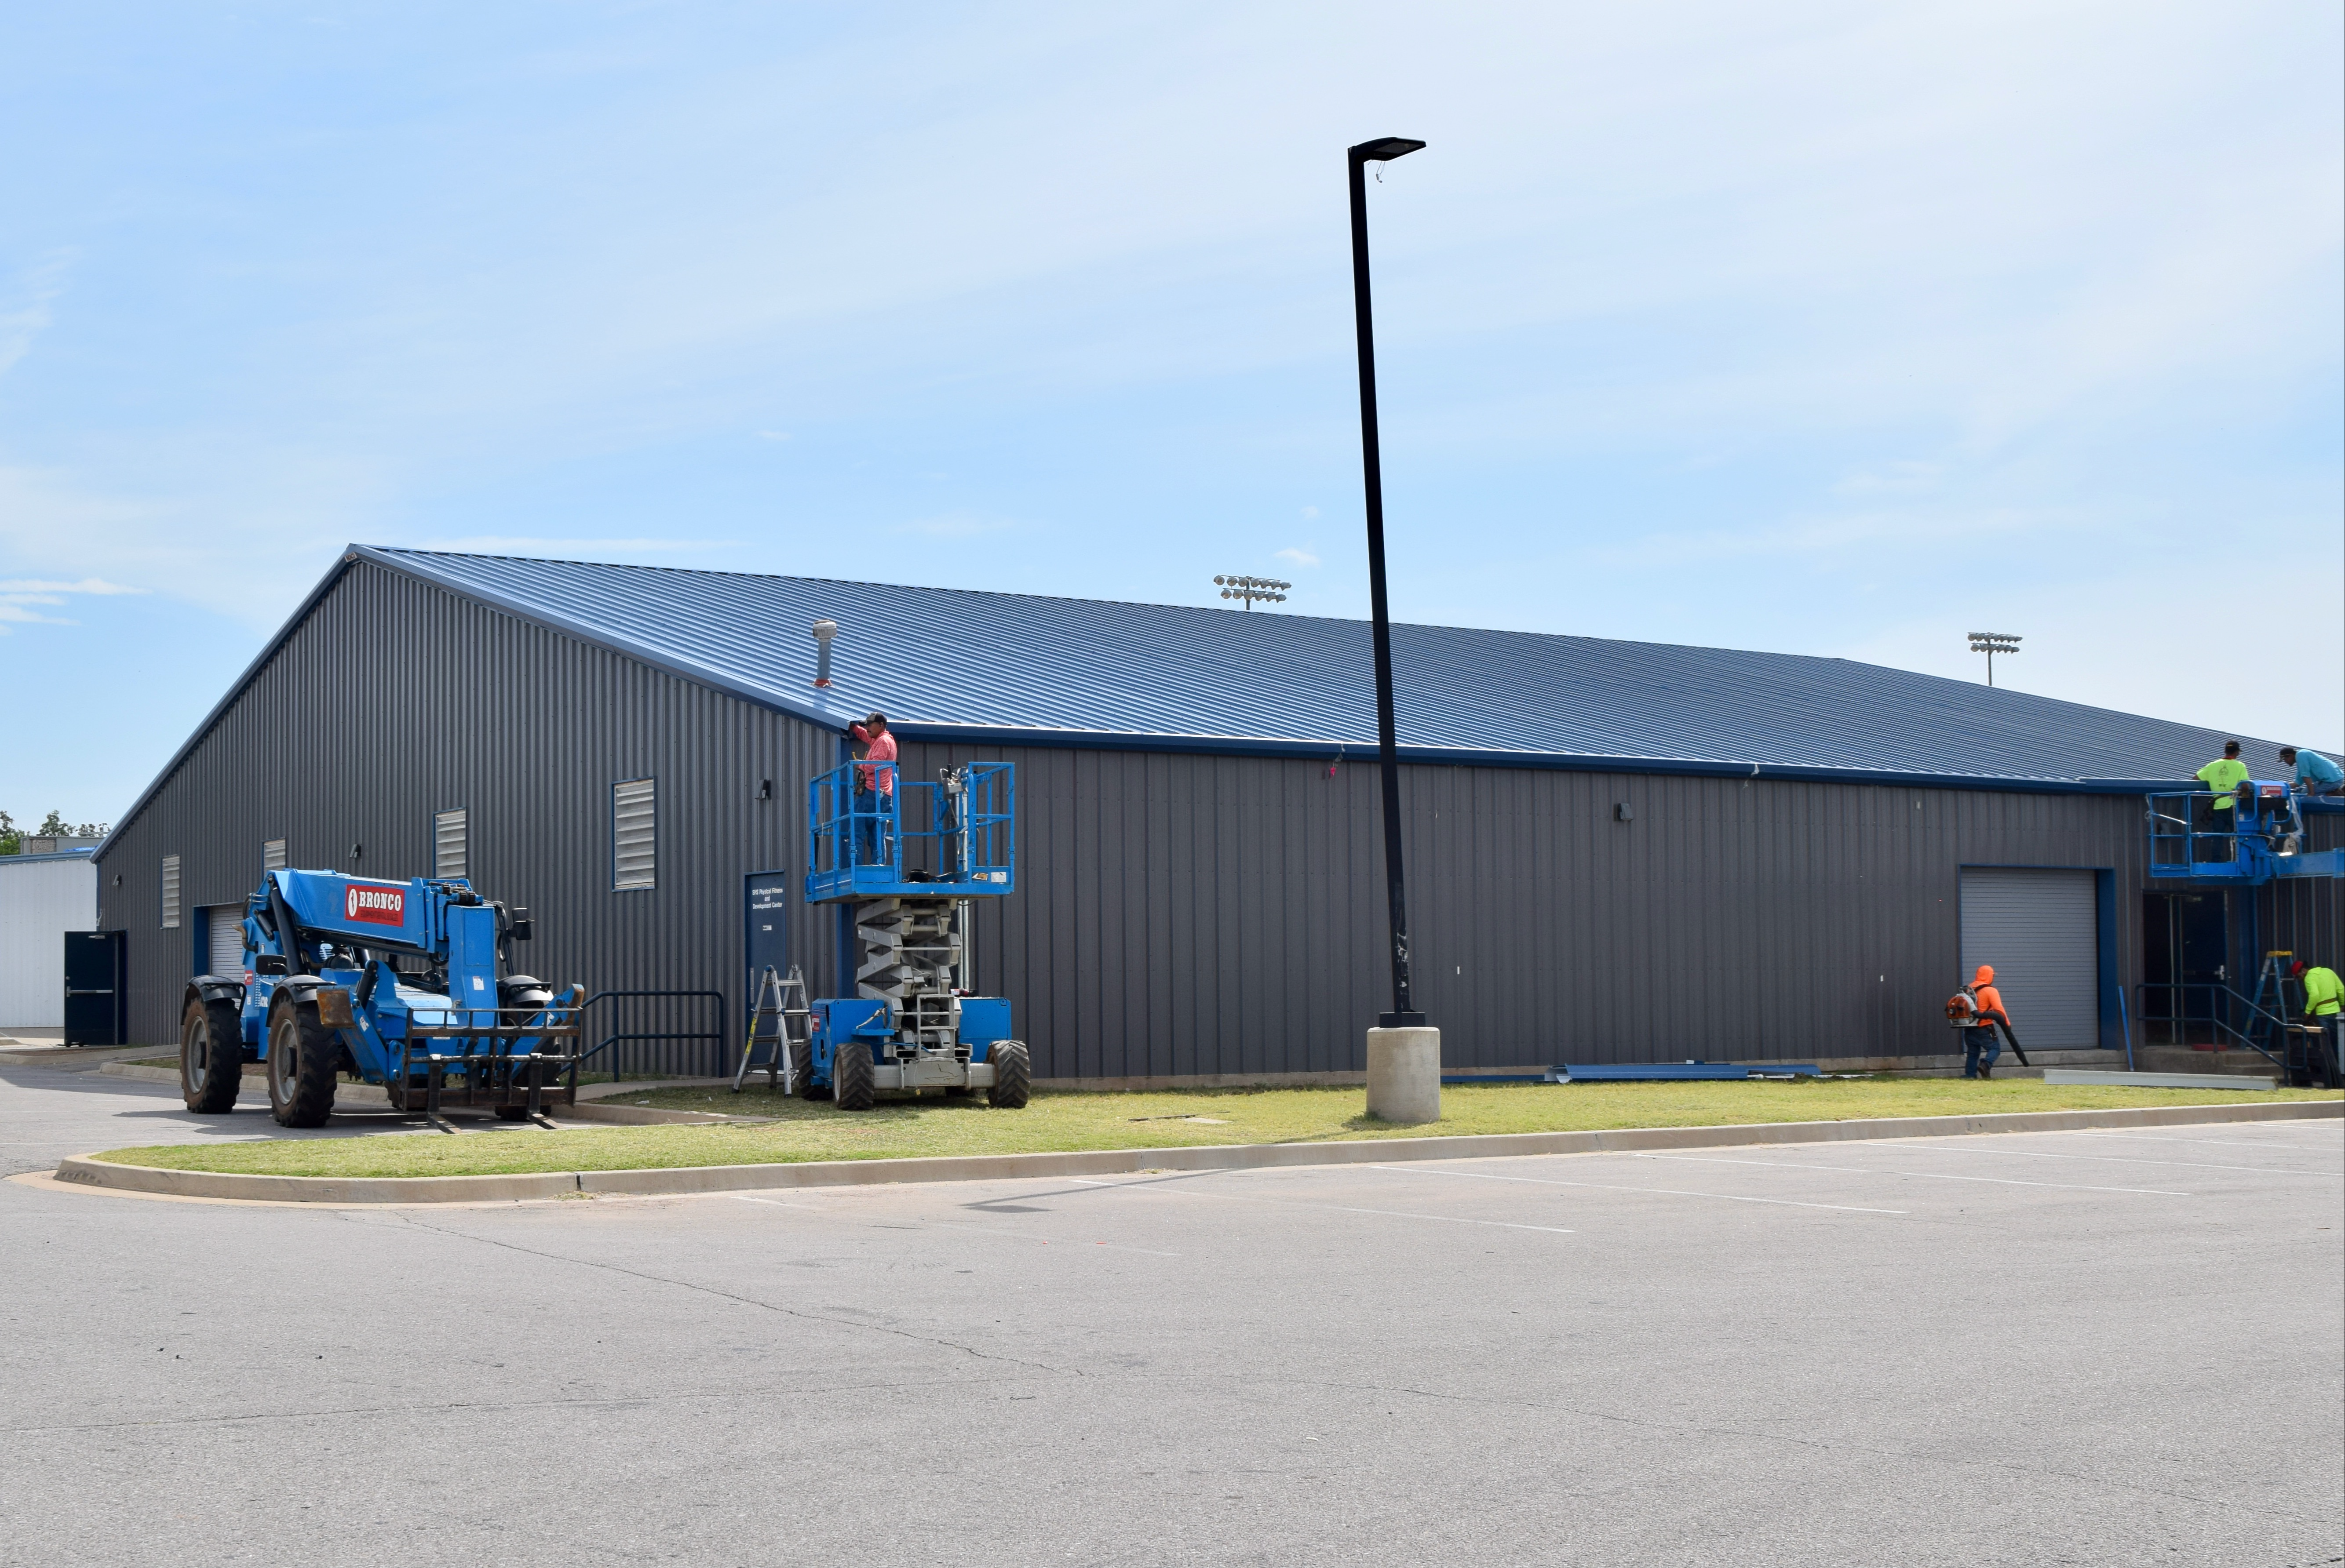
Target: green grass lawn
pixel 935 1125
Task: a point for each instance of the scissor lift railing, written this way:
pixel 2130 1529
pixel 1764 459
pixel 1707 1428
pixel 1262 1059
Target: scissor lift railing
pixel 2260 837
pixel 951 838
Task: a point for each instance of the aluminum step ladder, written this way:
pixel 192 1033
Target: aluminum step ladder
pixel 776 1029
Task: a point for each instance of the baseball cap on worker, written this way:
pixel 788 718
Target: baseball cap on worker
pixel 2297 968
pixel 2230 748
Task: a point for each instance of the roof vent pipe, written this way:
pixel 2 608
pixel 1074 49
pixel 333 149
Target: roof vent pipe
pixel 824 631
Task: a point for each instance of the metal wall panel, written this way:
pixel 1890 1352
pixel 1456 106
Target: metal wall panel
pixel 1184 915
pixel 41 898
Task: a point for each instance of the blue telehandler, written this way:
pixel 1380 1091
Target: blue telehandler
pixel 408 985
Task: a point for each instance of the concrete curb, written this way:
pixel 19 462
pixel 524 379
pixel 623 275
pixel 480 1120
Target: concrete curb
pixel 89 1171
pixel 71 1059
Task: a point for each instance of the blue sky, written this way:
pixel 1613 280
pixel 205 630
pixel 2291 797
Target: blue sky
pixel 1830 327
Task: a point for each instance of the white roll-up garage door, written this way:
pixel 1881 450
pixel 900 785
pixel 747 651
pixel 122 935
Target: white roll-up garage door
pixel 2040 929
pixel 224 940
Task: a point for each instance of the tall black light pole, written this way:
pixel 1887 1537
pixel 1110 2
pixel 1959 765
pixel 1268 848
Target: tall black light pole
pixel 1403 1015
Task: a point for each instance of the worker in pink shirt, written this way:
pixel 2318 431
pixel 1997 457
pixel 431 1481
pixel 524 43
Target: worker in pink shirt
pixel 875 787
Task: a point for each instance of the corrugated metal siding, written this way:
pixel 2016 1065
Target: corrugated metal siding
pixel 2305 916
pixel 1187 915
pixel 396 699
pixel 41 897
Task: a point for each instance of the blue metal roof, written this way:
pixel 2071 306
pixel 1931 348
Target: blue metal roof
pixel 1022 669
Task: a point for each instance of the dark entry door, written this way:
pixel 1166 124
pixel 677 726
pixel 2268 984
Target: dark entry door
pixel 2185 941
pixel 95 996
pixel 766 928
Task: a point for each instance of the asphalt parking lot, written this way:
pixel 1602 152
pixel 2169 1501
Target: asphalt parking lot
pixel 2088 1347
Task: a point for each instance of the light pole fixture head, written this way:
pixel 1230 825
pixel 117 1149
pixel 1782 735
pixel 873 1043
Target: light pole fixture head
pixel 1383 149
pixel 1991 644
pixel 1267 589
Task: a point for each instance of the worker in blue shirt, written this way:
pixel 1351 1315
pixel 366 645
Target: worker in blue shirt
pixel 2315 774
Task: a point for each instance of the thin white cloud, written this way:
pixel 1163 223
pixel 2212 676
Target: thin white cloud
pixel 98 585
pixel 1299 556
pixel 18 595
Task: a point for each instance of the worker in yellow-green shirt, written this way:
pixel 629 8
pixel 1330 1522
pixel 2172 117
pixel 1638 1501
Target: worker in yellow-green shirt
pixel 2224 776
pixel 2324 1003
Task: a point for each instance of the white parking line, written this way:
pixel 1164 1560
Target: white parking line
pixel 1919 1175
pixel 1608 1187
pixel 1154 1190
pixel 1941 1146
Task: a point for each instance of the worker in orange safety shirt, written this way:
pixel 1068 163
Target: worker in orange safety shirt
pixel 875 787
pixel 1980 1048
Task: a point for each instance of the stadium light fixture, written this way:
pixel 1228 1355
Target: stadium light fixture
pixel 1269 590
pixel 1991 644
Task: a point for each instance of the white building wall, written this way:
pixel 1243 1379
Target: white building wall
pixel 41 898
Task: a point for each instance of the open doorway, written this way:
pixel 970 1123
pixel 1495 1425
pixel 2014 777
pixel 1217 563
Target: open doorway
pixel 2185 941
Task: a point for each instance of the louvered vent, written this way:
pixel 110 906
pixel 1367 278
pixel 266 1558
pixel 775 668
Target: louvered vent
pixel 633 836
pixel 450 844
pixel 170 893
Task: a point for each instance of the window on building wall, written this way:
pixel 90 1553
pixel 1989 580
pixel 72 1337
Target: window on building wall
pixel 170 893
pixel 450 844
pixel 633 836
pixel 272 855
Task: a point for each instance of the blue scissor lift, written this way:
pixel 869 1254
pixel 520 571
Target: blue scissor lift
pixel 2263 842
pixel 907 861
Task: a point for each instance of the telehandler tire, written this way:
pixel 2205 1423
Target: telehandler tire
pixel 301 1060
pixel 802 1070
pixel 211 1057
pixel 1013 1076
pixel 851 1076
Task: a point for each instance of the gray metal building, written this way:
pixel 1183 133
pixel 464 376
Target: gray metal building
pixel 1617 852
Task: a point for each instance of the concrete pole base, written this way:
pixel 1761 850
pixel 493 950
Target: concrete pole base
pixel 1405 1075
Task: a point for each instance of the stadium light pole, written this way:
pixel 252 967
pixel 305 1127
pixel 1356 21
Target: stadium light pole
pixel 1383 149
pixel 1991 644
